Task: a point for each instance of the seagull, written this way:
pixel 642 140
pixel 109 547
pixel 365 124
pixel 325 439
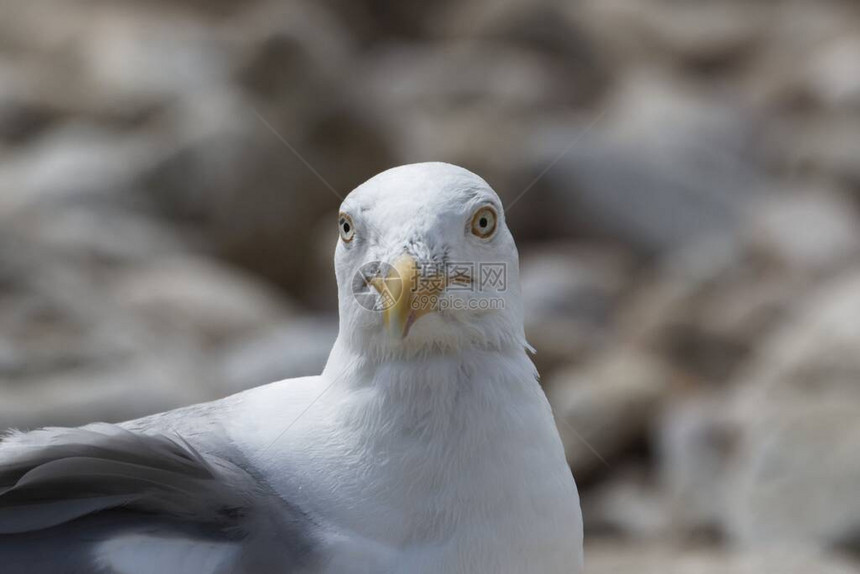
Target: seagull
pixel 426 445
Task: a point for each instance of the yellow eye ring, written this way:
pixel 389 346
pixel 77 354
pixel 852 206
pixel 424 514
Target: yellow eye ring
pixel 346 227
pixel 484 222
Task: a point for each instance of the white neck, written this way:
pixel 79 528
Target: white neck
pixel 450 460
pixel 477 454
pixel 439 389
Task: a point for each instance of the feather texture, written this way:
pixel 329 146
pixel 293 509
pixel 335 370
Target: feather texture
pixel 71 499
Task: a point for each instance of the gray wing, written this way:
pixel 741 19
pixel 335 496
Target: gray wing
pixel 107 499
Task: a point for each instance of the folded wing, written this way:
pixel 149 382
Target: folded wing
pixel 106 499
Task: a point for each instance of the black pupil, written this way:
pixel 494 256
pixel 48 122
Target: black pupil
pixel 483 222
pixel 345 227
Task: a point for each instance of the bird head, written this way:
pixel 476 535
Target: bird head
pixel 425 261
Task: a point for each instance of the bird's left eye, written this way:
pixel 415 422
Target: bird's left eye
pixel 346 227
pixel 484 222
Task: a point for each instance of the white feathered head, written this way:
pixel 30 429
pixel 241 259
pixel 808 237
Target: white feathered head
pixel 425 261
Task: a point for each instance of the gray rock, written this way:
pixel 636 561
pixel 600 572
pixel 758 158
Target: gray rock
pixel 204 299
pixel 98 233
pixel 97 61
pixel 825 146
pixel 797 478
pixel 112 393
pixel 542 27
pixel 284 50
pixel 468 102
pixel 253 197
pixel 85 336
pixel 806 61
pixel 832 72
pixel 295 349
pixel 696 448
pixel 606 558
pixel 809 232
pixel 703 309
pixel 143 55
pixel 656 167
pixel 812 356
pixel 798 481
pixel 707 34
pixel 74 163
pixel 606 407
pixel 628 505
pixel 569 296
pixel 707 306
pixel 72 353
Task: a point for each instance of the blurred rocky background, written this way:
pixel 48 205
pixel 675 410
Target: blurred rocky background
pixel 683 178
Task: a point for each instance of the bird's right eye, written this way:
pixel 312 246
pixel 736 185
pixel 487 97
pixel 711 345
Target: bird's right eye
pixel 484 222
pixel 346 227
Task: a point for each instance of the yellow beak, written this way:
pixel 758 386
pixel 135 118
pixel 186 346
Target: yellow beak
pixel 407 296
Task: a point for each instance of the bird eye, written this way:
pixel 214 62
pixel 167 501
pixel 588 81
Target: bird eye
pixel 484 222
pixel 346 227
